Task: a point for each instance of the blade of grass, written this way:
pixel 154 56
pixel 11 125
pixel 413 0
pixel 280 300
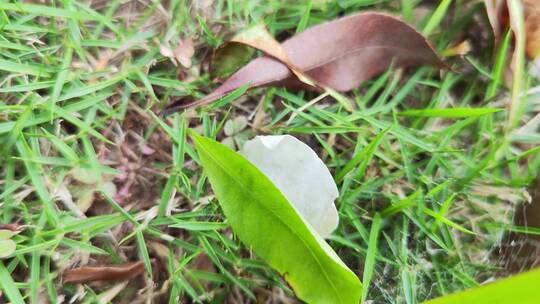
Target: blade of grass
pixel 436 17
pixel 8 286
pixel 60 78
pixel 369 264
pixel 449 113
pixel 35 171
pixel 363 157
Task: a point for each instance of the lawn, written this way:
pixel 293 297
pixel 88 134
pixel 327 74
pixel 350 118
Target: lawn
pixel 92 175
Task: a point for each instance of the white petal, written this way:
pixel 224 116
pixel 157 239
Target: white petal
pixel 300 175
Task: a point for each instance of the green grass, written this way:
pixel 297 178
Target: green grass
pixel 420 161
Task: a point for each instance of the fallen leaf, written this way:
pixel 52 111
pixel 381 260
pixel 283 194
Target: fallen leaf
pixel 255 37
pixel 104 273
pixel 532 27
pixel 497 14
pixel 166 51
pixel 339 54
pixel 184 52
pixel 259 38
pixel 267 223
pixel 300 175
pixel 13 227
pixel 500 20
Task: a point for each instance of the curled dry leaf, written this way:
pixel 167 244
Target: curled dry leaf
pixel 532 27
pixel 104 273
pixel 184 52
pixel 497 11
pixel 300 175
pixel 258 37
pixel 166 51
pixel 339 54
pixel 531 10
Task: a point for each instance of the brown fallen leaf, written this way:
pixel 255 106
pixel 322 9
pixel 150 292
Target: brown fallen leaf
pixel 339 54
pixel 532 27
pixel 497 11
pixel 13 227
pixel 104 273
pixel 258 37
pixel 184 52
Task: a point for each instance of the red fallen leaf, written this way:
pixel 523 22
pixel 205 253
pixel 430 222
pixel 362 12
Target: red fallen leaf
pixel 104 273
pixel 339 54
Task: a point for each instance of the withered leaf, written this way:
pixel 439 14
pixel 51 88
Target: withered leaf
pixel 259 38
pixel 532 27
pixel 339 54
pixel 104 273
pixel 13 227
pixel 497 11
pixel 184 51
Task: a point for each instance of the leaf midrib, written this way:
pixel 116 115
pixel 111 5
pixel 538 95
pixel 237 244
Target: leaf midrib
pixel 224 168
pixel 211 97
pixel 321 64
pixel 348 53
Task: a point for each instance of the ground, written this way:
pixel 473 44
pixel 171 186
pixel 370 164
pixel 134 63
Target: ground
pixel 90 174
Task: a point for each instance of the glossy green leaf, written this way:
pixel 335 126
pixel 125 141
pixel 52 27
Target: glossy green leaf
pixel 519 289
pixel 265 221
